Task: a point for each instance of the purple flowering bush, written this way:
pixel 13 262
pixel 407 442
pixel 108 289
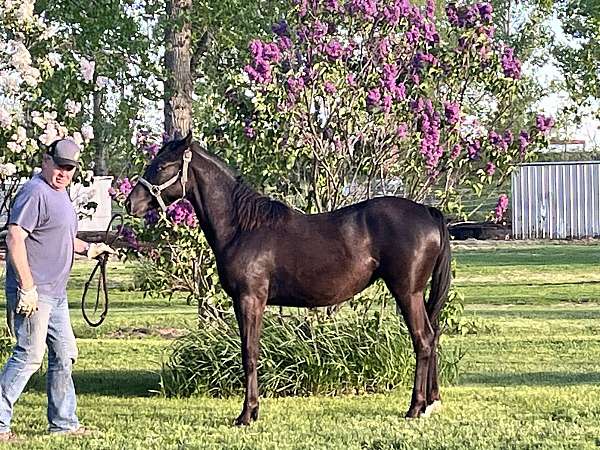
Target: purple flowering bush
pixel 347 96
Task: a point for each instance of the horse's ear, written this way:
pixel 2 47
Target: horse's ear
pixel 188 139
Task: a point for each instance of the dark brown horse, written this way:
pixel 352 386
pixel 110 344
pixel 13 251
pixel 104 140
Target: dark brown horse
pixel 269 254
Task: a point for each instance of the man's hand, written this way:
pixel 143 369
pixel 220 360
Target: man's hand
pixel 96 250
pixel 27 300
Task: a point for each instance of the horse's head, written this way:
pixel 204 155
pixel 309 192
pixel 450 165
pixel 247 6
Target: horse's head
pixel 164 180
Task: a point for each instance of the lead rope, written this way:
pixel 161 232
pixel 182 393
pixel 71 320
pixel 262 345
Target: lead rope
pixel 101 264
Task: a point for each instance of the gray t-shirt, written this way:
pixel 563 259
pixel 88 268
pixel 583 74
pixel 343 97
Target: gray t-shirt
pixel 50 220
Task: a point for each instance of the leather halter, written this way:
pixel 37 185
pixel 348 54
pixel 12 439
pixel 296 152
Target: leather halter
pixel 156 189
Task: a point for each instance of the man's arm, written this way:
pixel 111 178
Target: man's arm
pixel 15 242
pixel 91 250
pixel 80 246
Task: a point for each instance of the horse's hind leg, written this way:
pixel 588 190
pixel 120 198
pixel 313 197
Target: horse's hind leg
pixel 413 310
pixel 249 310
pixel 434 402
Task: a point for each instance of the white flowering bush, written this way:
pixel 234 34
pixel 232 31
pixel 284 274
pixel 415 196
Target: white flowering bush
pixel 28 115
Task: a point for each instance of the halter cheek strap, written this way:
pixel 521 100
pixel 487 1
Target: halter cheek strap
pixel 156 189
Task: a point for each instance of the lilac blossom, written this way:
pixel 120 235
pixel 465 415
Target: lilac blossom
pixel 332 5
pixel 490 168
pixel 329 87
pixel 497 141
pixel 452 112
pixel 501 207
pixel 387 103
pixel 182 213
pixel 374 97
pixel 124 187
pixel 152 150
pixel 543 123
pixel 455 152
pixel 151 217
pixel 367 7
pixel 392 14
pixel 485 12
pixel 284 43
pixel 295 84
pixel 511 66
pixel 383 48
pixel 249 132
pixel 334 49
pixel 402 130
pixel 473 149
pixel 452 14
pixel 429 126
pixel 280 28
pixel 129 236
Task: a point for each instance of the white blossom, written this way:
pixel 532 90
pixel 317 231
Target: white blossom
pixel 77 138
pixel 50 134
pixel 25 11
pixel 102 82
pixel 20 135
pixel 8 169
pixel 14 147
pixel 72 107
pixel 5 118
pixel 55 60
pixel 87 132
pixel 87 69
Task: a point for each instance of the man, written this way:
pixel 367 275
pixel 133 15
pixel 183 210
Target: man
pixel 41 242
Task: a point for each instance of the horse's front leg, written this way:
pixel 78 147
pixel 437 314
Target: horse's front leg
pixel 249 310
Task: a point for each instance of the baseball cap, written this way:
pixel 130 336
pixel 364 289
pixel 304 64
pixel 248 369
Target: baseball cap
pixel 65 152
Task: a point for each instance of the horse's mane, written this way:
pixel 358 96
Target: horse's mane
pixel 253 210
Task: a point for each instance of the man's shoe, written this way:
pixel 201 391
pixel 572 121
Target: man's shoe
pixel 8 436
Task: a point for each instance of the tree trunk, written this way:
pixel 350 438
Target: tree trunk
pixel 178 76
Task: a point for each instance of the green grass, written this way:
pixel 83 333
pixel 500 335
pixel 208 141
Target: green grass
pixel 531 380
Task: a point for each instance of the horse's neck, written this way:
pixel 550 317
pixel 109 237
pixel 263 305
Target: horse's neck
pixel 213 204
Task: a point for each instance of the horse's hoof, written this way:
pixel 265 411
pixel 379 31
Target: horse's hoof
pixel 241 421
pixel 432 408
pixel 414 413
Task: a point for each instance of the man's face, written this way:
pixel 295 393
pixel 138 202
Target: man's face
pixel 58 177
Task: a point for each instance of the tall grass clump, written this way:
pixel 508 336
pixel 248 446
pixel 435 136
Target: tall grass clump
pixel 300 355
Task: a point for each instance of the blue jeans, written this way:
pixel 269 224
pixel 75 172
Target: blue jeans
pixel 49 326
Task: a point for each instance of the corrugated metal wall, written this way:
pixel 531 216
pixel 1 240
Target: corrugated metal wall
pixel 556 200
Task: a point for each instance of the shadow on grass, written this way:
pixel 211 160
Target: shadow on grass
pixel 531 378
pixel 113 383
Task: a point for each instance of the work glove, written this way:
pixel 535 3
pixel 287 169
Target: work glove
pixel 96 250
pixel 27 300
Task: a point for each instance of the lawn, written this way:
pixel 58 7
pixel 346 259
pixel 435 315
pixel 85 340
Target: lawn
pixel 529 379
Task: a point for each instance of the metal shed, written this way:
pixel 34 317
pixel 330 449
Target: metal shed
pixel 556 200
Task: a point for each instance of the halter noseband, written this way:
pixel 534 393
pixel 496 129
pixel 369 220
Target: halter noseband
pixel 156 189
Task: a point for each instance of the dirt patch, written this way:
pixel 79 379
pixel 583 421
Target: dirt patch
pixel 140 332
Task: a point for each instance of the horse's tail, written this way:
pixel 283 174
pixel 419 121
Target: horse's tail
pixel 442 272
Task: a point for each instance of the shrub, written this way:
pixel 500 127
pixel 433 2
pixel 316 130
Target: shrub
pixel 299 356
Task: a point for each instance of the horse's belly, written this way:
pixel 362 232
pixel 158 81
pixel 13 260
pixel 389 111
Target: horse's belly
pixel 321 287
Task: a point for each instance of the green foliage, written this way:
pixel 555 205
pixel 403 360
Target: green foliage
pixel 6 344
pixel 579 57
pixel 350 353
